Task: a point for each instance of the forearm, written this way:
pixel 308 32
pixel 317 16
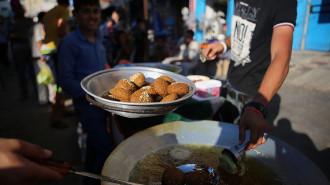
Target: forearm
pixel 272 80
pixel 281 48
pixel 39 44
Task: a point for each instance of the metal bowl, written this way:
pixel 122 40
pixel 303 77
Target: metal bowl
pixel 96 84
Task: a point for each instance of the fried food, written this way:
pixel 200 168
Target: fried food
pixel 140 96
pixel 179 88
pixel 160 86
pixel 109 96
pixel 170 97
pixel 137 90
pixel 121 94
pixel 125 84
pixel 150 90
pixel 138 79
pixel 198 177
pixel 168 79
pixel 173 176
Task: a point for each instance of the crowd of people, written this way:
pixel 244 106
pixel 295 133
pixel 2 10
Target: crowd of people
pixel 257 70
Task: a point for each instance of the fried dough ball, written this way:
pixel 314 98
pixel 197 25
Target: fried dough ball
pixel 141 97
pixel 125 84
pixel 179 88
pixel 160 86
pixel 168 79
pixel 170 97
pixel 173 176
pixel 198 177
pixel 150 90
pixel 109 96
pixel 121 94
pixel 138 79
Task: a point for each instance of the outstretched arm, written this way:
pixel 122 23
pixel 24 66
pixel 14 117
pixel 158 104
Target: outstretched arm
pixel 281 48
pixel 212 50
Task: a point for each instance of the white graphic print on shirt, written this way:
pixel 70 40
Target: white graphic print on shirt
pixel 243 25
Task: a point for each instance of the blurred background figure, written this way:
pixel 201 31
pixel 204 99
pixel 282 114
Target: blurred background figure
pixel 56 24
pixel 19 34
pixel 4 42
pixel 187 53
pixel 115 17
pixel 46 92
pixel 159 49
pixel 108 30
pixel 141 41
pixel 124 46
pixel 80 54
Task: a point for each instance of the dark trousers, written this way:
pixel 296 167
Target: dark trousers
pixel 23 62
pixel 4 54
pixel 99 142
pixel 51 61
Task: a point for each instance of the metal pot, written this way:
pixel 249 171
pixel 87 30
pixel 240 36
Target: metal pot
pixel 291 165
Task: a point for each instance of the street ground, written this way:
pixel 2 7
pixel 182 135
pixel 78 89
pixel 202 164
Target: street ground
pixel 302 120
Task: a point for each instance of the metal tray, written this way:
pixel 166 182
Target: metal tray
pixel 96 84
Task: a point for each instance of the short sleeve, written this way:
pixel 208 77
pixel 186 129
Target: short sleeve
pixel 285 12
pixel 65 13
pixel 38 32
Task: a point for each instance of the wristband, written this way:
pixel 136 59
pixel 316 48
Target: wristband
pixel 257 106
pixel 254 109
pixel 224 47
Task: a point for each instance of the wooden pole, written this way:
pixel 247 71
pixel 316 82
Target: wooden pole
pixel 145 9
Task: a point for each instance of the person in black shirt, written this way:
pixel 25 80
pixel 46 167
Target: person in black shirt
pixel 261 44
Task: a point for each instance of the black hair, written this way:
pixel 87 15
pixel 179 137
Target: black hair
pixel 41 16
pixel 190 32
pixel 77 4
pixel 63 2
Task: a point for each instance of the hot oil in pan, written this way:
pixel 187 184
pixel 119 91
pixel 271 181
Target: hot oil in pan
pixel 150 169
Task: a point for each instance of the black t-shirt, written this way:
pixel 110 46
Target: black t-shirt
pixel 251 33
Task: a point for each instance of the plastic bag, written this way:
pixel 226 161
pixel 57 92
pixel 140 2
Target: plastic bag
pixel 45 76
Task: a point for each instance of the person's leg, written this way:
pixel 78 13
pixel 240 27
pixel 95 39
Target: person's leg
pixel 4 54
pixel 99 144
pixel 20 65
pixel 41 89
pixel 32 73
pixel 58 107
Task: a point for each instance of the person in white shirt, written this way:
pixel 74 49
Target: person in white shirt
pixel 187 55
pixel 46 93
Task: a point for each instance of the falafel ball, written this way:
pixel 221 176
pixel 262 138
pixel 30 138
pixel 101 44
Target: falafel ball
pixel 138 79
pixel 160 86
pixel 179 88
pixel 173 176
pixel 198 177
pixel 141 97
pixel 167 78
pixel 121 94
pixel 170 97
pixel 125 84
